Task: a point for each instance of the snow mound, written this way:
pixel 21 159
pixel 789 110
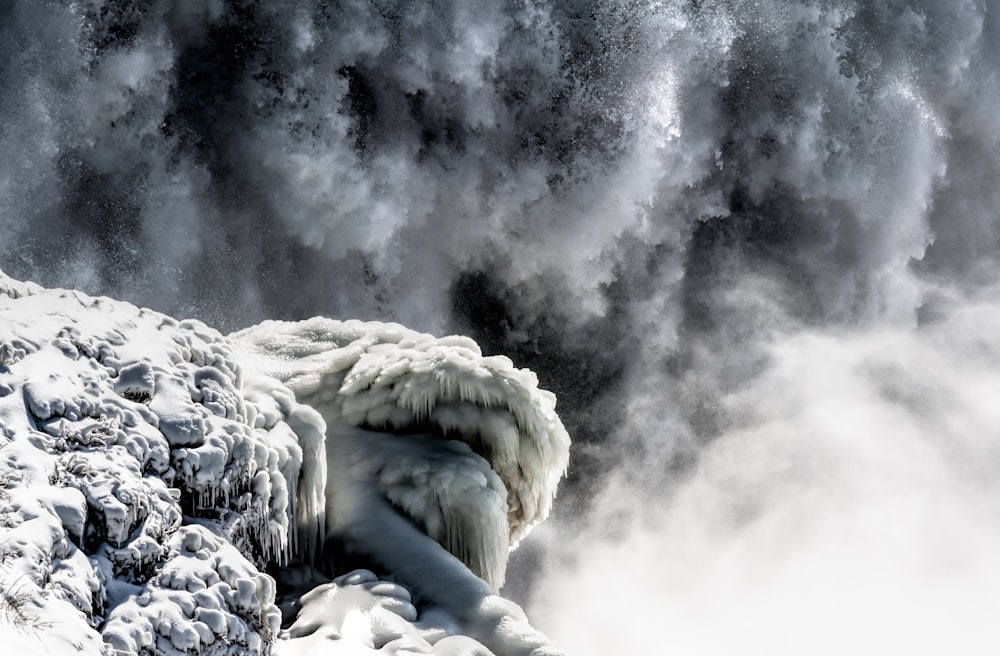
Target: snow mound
pixel 502 448
pixel 145 480
pixel 359 613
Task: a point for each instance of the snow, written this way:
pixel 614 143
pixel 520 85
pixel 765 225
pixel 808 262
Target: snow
pixel 154 474
pixel 339 618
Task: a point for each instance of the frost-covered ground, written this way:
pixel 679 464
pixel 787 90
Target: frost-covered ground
pixel 164 489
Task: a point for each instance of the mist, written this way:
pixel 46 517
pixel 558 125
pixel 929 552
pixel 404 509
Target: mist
pixel 847 506
pixel 752 247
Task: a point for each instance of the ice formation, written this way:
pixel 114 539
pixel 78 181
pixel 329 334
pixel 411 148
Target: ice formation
pixel 426 433
pixel 484 451
pixel 149 477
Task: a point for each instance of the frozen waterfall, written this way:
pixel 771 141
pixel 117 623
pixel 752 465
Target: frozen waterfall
pixel 752 246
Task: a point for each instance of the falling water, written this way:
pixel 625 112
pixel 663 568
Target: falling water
pixel 752 245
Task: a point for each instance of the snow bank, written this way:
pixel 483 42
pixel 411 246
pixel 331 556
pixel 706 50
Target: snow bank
pixel 144 480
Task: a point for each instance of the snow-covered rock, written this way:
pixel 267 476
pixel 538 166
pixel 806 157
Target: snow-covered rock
pixel 144 482
pixel 153 470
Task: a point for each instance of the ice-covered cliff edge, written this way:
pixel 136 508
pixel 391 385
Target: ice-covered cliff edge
pixel 149 476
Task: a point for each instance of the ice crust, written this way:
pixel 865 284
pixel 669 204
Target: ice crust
pixel 152 469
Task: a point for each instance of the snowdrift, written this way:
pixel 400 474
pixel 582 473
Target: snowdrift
pixel 155 474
